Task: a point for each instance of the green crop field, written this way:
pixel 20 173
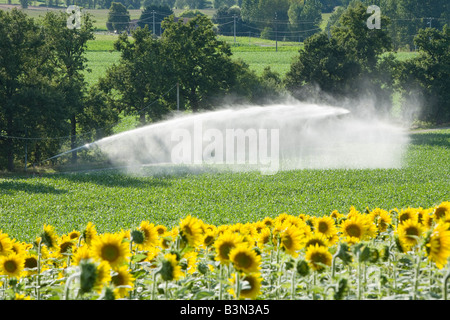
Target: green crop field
pixel 112 200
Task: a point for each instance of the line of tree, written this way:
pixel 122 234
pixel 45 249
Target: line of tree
pixel 43 93
pixel 46 104
pixel 352 60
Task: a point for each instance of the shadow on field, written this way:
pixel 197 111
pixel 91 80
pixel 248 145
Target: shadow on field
pixel 431 139
pixel 112 180
pixel 11 186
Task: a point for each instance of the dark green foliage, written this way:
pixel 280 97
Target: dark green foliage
pixel 347 64
pixel 118 18
pixel 427 77
pixel 152 16
pixel 229 20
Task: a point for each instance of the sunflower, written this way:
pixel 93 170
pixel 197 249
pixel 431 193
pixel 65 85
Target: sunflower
pixel 381 218
pixel 12 265
pixel 353 227
pixel 408 214
pixel 111 248
pixel 191 231
pixel 438 244
pixel 281 218
pixel 441 210
pixel 103 276
pixel 318 257
pixel 325 225
pixel 19 296
pixel 89 233
pixel 317 238
pixel 81 253
pixel 224 244
pixel 245 259
pixel 160 229
pixel 409 232
pixel 209 238
pixel 65 246
pixel 123 281
pixel 191 261
pixel 291 240
pixel 264 238
pixel 259 226
pixel 150 234
pixel 166 239
pixel 49 237
pixel 250 285
pixel 170 268
pixel 30 264
pixel 74 234
pixel 336 215
pixel 268 222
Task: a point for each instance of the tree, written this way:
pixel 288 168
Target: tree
pixel 428 75
pixel 66 49
pixel 153 15
pixel 30 106
pixel 227 18
pixel 141 77
pixel 322 63
pixel 305 17
pixel 118 18
pixel 201 63
pixel 347 63
pixel 223 3
pixel 361 43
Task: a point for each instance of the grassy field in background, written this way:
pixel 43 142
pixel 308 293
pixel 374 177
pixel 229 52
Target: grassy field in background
pixel 113 201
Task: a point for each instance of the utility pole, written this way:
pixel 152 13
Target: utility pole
pixel 26 149
pixel 178 96
pixel 429 21
pixel 154 29
pixel 234 19
pixel 276 33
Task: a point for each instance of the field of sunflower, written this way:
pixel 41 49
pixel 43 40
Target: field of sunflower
pixel 376 254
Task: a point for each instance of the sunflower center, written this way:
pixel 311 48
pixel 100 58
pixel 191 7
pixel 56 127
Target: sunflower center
pixel 354 231
pixel 208 240
pixel 412 231
pixel 322 227
pixel 10 266
pixel 287 242
pixel 439 213
pixel 243 260
pixel 30 263
pixel 225 250
pixel 65 246
pixel 318 258
pixel 110 252
pixel 118 280
pixel 187 230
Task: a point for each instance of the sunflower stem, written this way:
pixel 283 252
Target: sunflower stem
pixel 359 278
pixel 220 281
pixel 166 290
pixel 446 278
pixel 416 274
pixel 131 253
pixel 293 285
pixel 154 286
pixel 68 283
pixel 38 276
pixel 238 285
